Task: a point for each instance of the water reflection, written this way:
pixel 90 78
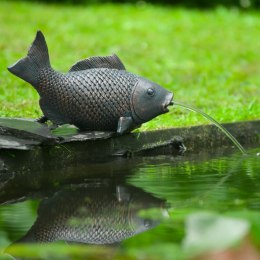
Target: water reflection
pixel 224 183
pixel 93 215
pixel 26 182
pixel 100 203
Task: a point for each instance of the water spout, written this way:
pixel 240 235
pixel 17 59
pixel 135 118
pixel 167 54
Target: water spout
pixel 223 129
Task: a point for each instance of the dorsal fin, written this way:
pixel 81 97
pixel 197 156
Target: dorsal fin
pixel 110 62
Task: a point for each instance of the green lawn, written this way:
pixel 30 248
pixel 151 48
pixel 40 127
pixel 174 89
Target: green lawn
pixel 210 59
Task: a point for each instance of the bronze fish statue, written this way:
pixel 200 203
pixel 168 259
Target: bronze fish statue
pixel 96 94
pixel 93 215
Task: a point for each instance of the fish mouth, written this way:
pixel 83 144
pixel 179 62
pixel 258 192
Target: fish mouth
pixel 168 102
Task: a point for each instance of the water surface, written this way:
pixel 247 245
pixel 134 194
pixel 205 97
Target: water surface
pixel 128 204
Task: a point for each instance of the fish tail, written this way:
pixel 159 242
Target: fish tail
pixel 28 68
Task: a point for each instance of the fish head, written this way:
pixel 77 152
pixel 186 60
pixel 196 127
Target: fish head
pixel 149 100
pixel 146 212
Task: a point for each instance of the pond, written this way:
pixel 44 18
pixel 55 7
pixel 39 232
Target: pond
pixel 153 207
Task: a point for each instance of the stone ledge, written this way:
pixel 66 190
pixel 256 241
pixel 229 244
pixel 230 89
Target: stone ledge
pixel 68 142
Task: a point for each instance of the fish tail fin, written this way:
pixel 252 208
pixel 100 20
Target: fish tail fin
pixel 28 68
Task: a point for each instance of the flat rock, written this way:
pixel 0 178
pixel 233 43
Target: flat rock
pixel 24 131
pixel 24 134
pixel 12 142
pixel 68 133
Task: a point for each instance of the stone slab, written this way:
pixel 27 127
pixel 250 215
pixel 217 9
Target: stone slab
pixel 26 134
pixel 23 134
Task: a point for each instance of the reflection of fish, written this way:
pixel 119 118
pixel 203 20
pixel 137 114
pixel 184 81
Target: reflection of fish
pixel 96 94
pixel 94 216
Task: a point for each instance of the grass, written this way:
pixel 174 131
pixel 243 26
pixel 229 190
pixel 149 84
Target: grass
pixel 209 59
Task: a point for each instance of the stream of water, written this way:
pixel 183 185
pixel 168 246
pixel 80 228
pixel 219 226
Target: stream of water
pixel 222 128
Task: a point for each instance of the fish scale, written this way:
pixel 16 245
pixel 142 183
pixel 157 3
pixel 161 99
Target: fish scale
pixel 97 99
pixel 95 231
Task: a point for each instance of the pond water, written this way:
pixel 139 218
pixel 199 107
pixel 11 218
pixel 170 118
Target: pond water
pixel 161 207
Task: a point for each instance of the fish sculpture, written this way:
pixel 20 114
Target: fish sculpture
pixel 96 94
pixel 94 215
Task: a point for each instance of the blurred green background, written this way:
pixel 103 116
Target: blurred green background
pixel 209 57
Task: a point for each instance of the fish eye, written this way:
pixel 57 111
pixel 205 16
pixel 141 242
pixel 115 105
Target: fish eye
pixel 150 92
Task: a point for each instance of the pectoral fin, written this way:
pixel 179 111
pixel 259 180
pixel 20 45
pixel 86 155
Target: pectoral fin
pixel 122 194
pixel 125 125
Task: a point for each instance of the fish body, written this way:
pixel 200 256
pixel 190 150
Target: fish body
pixel 96 94
pixel 90 99
pixel 92 216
